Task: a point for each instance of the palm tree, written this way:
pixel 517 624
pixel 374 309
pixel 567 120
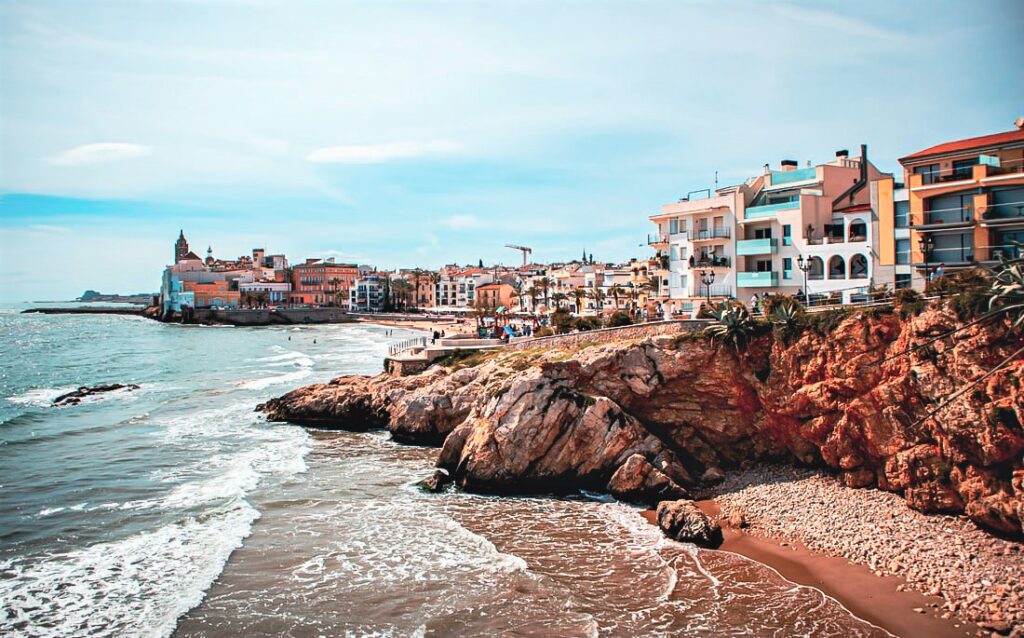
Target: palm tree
pixel 558 298
pixel 545 285
pixel 598 296
pixel 616 291
pixel 533 293
pixel 579 295
pixel 417 275
pixel 517 297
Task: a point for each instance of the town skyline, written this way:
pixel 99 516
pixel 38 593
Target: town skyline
pixel 338 135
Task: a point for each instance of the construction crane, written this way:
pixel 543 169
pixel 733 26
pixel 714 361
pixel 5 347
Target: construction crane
pixel 525 250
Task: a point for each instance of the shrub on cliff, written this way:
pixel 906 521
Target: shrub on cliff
pixel 583 324
pixel 618 319
pixel 562 321
pixel 543 331
pixel 966 292
pixel 785 315
pixel 908 302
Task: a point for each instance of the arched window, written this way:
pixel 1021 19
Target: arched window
pixel 858 230
pixel 836 268
pixel 817 270
pixel 858 267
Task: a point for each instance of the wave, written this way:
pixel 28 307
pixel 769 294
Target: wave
pixel 266 382
pixel 43 397
pixel 136 586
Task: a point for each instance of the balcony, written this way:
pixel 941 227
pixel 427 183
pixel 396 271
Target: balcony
pixel 714 233
pixel 769 210
pixel 949 256
pixel 1002 214
pixel 757 279
pixel 787 177
pixel 945 218
pixel 757 247
pixel 657 240
pixel 716 290
pixel 706 262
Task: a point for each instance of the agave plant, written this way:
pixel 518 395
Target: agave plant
pixel 785 314
pixel 733 324
pixel 1007 294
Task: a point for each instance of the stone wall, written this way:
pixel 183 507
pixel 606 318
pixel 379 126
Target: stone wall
pixel 608 335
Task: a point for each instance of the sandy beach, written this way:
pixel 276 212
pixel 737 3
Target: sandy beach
pixel 910 573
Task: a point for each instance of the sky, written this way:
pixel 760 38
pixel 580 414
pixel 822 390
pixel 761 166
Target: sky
pixel 407 134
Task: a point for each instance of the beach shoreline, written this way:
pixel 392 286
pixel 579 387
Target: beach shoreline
pixel 907 572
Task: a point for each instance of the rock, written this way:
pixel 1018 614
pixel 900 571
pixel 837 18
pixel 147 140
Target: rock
pixel 637 481
pixel 437 481
pixel 998 627
pixel 712 475
pixel 75 397
pixel 736 520
pixel 683 521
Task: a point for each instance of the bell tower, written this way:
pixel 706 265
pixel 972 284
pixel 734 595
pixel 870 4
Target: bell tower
pixel 180 247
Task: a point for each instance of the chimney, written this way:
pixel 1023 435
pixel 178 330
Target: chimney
pixel 767 169
pixel 1019 123
pixel 789 165
pixel 843 154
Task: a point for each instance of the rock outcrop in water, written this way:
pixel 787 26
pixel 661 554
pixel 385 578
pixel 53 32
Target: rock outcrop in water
pixel 684 521
pixel 84 392
pixel 641 417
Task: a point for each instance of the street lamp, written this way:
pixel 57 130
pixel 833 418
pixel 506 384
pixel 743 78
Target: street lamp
pixel 805 265
pixel 707 277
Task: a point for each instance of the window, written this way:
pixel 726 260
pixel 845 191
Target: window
pixel 963 168
pixel 682 281
pixel 787 267
pixel 858 267
pixel 673 226
pixel 902 251
pixel 902 212
pixel 948 209
pixel 836 267
pixel 902 281
pixel 787 235
pixel 763 233
pixel 764 265
pixel 929 173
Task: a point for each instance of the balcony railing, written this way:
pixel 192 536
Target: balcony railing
pixel 757 246
pixel 786 177
pixel 757 279
pixel 956 255
pixel 705 262
pixel 958 215
pixel 716 290
pixel 714 233
pixel 657 239
pixel 769 210
pixel 1006 210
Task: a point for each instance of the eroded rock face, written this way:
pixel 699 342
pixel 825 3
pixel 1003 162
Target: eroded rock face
pixel 848 400
pixel 685 522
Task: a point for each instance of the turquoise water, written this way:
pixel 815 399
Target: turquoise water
pixel 174 509
pixel 116 514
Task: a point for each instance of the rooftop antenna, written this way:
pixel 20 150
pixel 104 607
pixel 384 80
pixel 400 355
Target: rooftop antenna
pixel 716 180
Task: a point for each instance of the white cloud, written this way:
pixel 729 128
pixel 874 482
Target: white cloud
pixel 377 153
pixel 44 228
pixel 460 222
pixel 99 153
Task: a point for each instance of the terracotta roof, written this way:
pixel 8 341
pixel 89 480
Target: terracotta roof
pixel 190 255
pixel 969 143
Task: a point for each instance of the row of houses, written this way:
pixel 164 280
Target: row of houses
pixel 830 231
pixel 839 228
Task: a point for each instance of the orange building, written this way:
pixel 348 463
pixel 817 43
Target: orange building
pixel 216 294
pixel 321 282
pixel 966 202
pixel 495 295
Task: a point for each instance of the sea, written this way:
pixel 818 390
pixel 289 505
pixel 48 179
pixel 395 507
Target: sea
pixel 176 510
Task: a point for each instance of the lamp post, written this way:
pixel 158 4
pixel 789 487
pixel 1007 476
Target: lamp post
pixel 805 265
pixel 925 243
pixel 707 277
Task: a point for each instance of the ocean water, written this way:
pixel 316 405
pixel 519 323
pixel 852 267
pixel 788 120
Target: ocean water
pixel 176 510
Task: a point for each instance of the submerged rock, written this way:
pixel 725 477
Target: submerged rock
pixel 683 521
pixel 437 481
pixel 75 397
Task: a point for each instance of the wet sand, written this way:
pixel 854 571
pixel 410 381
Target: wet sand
pixel 875 599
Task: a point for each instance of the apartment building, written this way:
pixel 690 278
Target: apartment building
pixel 966 202
pixel 322 282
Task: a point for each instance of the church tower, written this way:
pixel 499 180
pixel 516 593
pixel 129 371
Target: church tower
pixel 180 247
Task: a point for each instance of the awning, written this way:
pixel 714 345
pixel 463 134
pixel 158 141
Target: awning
pixel 501 309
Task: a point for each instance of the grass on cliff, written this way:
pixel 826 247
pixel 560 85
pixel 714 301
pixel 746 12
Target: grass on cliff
pixel 464 359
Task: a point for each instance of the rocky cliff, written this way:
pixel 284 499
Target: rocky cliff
pixel 647 419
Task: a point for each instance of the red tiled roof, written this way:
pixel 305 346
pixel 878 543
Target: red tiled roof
pixel 191 255
pixel 969 143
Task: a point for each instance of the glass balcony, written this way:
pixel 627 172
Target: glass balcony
pixel 786 177
pixel 757 279
pixel 769 210
pixel 712 233
pixel 757 247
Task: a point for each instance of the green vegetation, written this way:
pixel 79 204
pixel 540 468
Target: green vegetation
pixel 461 359
pixel 732 325
pixel 966 292
pixel 618 320
pixel 908 303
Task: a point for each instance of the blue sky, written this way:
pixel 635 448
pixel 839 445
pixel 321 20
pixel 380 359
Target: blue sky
pixel 418 133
